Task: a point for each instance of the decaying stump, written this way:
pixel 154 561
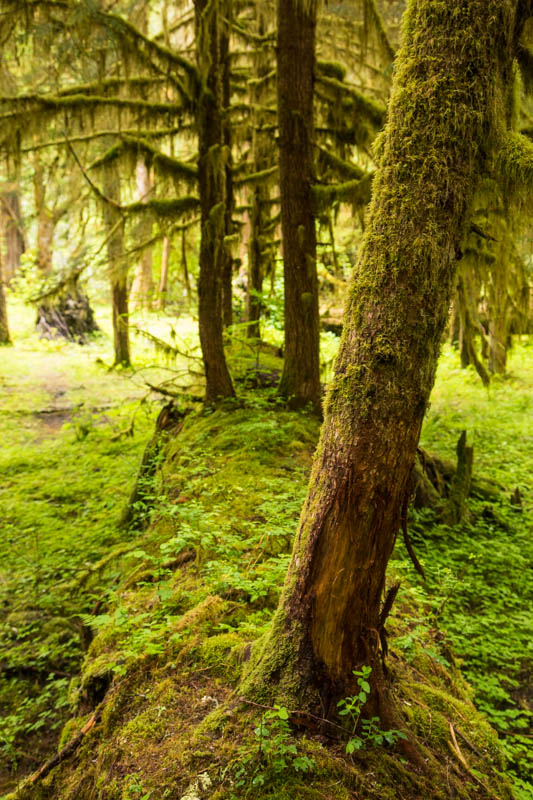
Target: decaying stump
pixel 65 312
pixel 444 486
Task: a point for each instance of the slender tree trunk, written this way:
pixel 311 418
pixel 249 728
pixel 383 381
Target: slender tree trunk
pixel 13 232
pixel 300 380
pixel 467 333
pixel 184 264
pixel 163 280
pixel 445 104
pixel 255 265
pixel 259 252
pixel 4 328
pixel 118 268
pixel 46 222
pixel 212 190
pixel 227 271
pixel 142 287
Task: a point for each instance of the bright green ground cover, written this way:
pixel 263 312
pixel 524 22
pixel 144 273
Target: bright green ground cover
pixel 480 587
pixel 63 489
pixel 66 473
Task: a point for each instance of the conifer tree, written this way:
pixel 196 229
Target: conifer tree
pixel 300 380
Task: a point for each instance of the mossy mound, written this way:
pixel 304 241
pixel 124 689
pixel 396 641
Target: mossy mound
pixel 158 696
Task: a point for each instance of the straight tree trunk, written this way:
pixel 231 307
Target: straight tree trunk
pixel 259 252
pixel 300 380
pixel 13 232
pixel 117 266
pixel 212 189
pixel 46 222
pixel 142 287
pixel 449 83
pixel 4 328
pixel 227 271
pixel 184 264
pixel 163 281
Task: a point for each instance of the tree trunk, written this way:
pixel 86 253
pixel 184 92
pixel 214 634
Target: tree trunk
pixel 142 287
pixel 184 264
pixel 4 329
pixel 259 249
pixel 467 331
pixel 212 190
pixel 46 222
pixel 300 380
pixel 163 280
pixel 227 271
pixel 118 268
pixel 255 264
pixel 13 232
pixel 445 103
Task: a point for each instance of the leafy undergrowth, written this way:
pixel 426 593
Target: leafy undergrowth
pixel 174 609
pixel 67 463
pixel 157 691
pixel 479 590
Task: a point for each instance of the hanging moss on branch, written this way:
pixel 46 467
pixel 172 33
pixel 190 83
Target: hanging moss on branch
pixel 345 169
pixel 356 192
pixel 137 146
pixel 364 106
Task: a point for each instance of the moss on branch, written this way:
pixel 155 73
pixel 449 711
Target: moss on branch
pixel 355 192
pixel 515 160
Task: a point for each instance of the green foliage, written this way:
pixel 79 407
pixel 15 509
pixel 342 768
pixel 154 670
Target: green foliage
pixel 277 753
pixel 479 591
pixel 187 596
pixel 369 731
pixel 62 460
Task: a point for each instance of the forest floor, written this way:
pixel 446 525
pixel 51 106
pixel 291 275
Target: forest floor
pixel 73 433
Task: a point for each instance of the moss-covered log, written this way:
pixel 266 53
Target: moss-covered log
pixel 446 110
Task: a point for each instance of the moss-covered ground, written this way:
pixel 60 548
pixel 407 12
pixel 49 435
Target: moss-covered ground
pixel 151 628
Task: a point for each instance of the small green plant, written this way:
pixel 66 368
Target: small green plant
pixel 369 731
pixel 277 754
pixel 135 789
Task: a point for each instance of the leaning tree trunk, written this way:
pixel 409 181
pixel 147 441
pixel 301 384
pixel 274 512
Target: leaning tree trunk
pixel 117 265
pixel 212 189
pixel 447 93
pixel 4 329
pixel 300 380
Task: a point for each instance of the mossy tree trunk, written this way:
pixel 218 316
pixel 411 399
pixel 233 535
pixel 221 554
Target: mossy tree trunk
pixel 447 94
pixel 117 265
pixel 209 22
pixel 300 380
